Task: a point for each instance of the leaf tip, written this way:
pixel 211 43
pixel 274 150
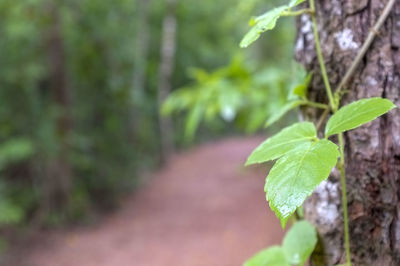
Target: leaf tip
pixel 283 222
pixel 248 161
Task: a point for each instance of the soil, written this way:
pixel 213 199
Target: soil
pixel 203 209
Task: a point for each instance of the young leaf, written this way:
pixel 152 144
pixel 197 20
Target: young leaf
pixel 273 256
pixel 262 24
pixel 356 114
pixel 266 22
pixel 192 122
pixel 294 3
pixel 301 89
pixel 287 139
pixel 283 111
pixel 295 176
pixel 299 242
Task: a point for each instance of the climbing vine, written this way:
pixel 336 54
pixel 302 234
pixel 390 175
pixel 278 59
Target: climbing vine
pixel 304 159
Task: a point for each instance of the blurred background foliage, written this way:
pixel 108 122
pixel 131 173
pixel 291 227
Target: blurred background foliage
pixel 75 128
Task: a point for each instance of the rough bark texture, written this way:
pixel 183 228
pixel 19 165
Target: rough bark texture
pixel 373 151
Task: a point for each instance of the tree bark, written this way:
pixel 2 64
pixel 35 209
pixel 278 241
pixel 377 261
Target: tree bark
pixel 141 49
pixel 57 174
pixel 165 74
pixel 373 151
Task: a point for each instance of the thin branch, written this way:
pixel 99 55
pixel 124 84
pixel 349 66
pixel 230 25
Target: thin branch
pixel 342 170
pixel 322 118
pixel 371 36
pixel 316 105
pixel 366 45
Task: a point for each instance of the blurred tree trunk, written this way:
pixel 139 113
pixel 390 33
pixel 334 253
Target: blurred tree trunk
pixel 140 50
pixel 57 174
pixel 373 151
pixel 138 90
pixel 166 69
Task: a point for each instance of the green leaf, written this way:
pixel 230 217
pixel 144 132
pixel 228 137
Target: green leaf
pixel 300 212
pixel 255 119
pixel 295 176
pixel 287 139
pixel 283 111
pixel 301 89
pixel 262 23
pixel 299 242
pixel 273 256
pixel 266 22
pixel 15 150
pixel 294 3
pixel 10 213
pixel 192 122
pixel 356 114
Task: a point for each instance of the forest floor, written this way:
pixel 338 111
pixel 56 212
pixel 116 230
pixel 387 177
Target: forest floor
pixel 202 209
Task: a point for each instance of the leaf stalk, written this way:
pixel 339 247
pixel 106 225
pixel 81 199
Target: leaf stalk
pixel 297 12
pixel 328 88
pixel 371 36
pixel 342 170
pixel 316 105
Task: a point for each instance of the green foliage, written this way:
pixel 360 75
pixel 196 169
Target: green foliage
pixel 283 142
pixel 233 94
pixel 356 114
pixel 302 167
pixel 216 95
pixel 261 24
pixel 114 125
pixel 297 246
pixel 299 242
pixel 296 175
pixel 276 116
pixel 294 3
pixel 15 150
pixel 304 162
pixel 301 89
pixel 10 213
pixel 273 256
pixel 296 98
pixel 266 22
pixel 98 65
pixel 11 152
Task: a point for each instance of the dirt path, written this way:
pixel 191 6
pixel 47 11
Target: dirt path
pixel 203 209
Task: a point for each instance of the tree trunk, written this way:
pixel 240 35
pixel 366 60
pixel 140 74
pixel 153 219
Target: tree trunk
pixel 373 151
pixel 57 174
pixel 140 50
pixel 165 73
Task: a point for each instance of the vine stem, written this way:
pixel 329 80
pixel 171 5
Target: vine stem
pixel 322 119
pixel 297 12
pixel 371 36
pixel 335 104
pixel 321 58
pixel 316 105
pixel 342 170
pixel 334 107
